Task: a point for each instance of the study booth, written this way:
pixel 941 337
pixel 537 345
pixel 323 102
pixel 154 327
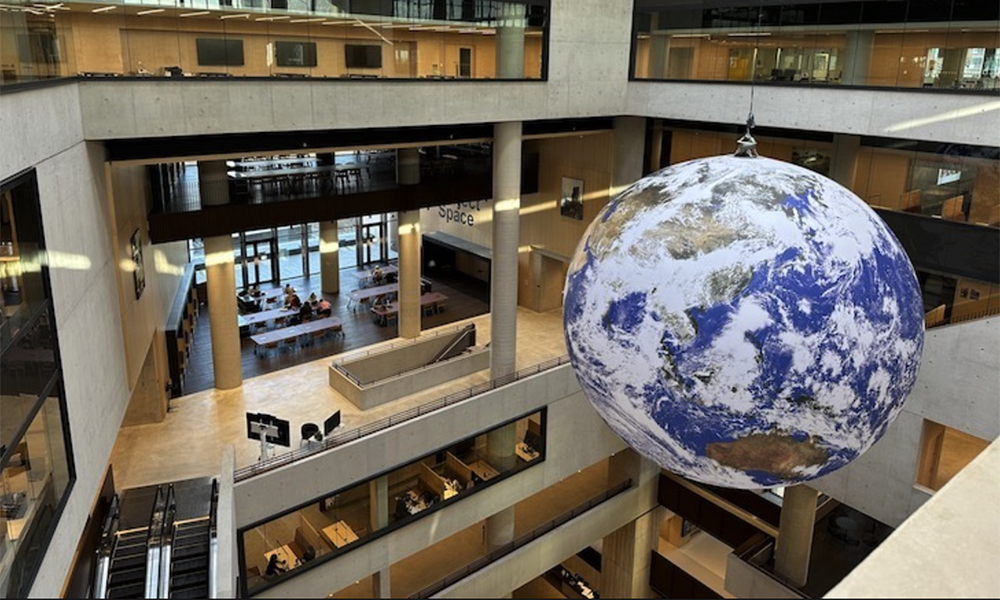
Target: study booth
pixel 349 517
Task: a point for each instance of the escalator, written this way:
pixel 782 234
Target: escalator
pixel 165 556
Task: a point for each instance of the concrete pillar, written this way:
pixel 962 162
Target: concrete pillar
pixel 226 351
pixel 213 182
pixel 500 444
pixel 627 552
pixel 629 147
pixel 381 584
pixel 795 533
pixel 409 274
pixel 499 529
pixel 510 41
pixel 857 57
pixel 506 236
pixel 408 166
pixel 378 490
pixel 329 257
pixel 844 162
pixel 659 50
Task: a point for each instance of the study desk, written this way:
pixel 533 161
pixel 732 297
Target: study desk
pixel 365 276
pixel 435 299
pixel 525 452
pixel 284 554
pixel 264 316
pixel 339 534
pixel 484 470
pixel 293 332
pixel 363 295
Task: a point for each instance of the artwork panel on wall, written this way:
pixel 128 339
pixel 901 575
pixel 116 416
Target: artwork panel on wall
pixel 571 199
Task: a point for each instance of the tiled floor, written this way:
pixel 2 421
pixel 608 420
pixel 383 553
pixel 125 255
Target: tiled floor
pixel 189 442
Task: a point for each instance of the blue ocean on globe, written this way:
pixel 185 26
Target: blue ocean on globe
pixel 743 322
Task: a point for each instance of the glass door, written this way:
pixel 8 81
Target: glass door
pixel 260 258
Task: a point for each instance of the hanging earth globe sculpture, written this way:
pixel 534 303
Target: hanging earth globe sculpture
pixel 743 322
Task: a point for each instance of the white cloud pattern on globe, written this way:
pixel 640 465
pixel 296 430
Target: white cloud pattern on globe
pixel 743 322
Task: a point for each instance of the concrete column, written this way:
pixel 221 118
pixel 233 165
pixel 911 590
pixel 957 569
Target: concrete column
pixel 381 584
pixel 844 162
pixel 499 529
pixel 500 444
pixel 409 274
pixel 329 257
pixel 659 50
pixel 213 182
pixel 510 41
pixel 408 166
pixel 795 533
pixel 378 489
pixel 857 57
pixel 506 237
pixel 226 351
pixel 629 140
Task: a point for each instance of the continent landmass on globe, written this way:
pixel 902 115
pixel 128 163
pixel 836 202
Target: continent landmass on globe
pixel 745 322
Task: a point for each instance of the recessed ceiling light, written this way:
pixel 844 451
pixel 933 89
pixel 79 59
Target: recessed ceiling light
pixel 104 9
pixel 240 16
pixel 274 18
pixel 151 11
pixel 317 20
pixel 195 14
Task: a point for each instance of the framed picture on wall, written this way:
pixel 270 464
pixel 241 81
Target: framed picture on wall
pixel 571 200
pixel 138 271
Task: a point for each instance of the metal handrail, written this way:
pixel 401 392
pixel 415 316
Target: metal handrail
pixel 397 345
pixel 167 533
pixel 213 542
pixel 367 384
pixel 153 532
pixel 464 334
pixel 521 541
pixel 399 418
pixel 109 541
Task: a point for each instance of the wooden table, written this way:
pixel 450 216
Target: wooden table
pixel 525 453
pixel 435 299
pixel 340 534
pixel 288 333
pixel 284 554
pixel 484 470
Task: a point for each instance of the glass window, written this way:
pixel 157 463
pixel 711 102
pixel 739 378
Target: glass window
pixel 356 514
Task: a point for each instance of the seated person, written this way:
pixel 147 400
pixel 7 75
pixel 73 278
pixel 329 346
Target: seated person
pixel 255 291
pixel 402 508
pixel 275 566
pixel 305 311
pixel 289 290
pixel 323 309
pixel 377 276
pixel 308 554
pixel 293 302
pixel 313 299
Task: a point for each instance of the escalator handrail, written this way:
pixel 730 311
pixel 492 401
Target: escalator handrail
pixel 155 529
pixel 167 534
pixel 213 534
pixel 106 548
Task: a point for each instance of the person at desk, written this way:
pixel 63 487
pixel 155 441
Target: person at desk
pixel 289 290
pixel 377 276
pixel 293 302
pixel 305 312
pixel 255 291
pixel 275 566
pixel 323 309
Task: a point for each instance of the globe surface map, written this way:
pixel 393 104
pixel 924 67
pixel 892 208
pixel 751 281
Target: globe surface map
pixel 744 322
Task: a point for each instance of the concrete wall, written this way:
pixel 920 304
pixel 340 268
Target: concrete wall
pixel 744 581
pixel 949 548
pixel 392 387
pixel 588 65
pixel 957 387
pixel 948 118
pixel 576 438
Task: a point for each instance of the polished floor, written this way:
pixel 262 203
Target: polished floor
pixel 189 442
pixel 466 298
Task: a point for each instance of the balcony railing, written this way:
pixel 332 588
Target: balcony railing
pixel 396 419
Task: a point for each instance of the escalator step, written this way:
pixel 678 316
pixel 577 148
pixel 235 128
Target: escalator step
pixel 136 590
pixel 130 549
pixel 189 564
pixel 127 577
pixel 198 578
pixel 194 592
pixel 124 563
pixel 189 551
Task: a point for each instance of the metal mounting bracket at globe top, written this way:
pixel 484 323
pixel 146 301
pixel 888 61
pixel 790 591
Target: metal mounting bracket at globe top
pixel 743 323
pixel 746 146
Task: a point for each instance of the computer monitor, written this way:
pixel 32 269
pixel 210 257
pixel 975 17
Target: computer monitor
pixel 284 435
pixel 332 423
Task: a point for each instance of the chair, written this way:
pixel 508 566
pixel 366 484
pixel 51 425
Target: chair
pixel 309 431
pixel 291 343
pixel 269 348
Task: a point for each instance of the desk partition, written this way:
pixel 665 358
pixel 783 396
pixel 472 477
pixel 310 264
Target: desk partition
pixel 352 515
